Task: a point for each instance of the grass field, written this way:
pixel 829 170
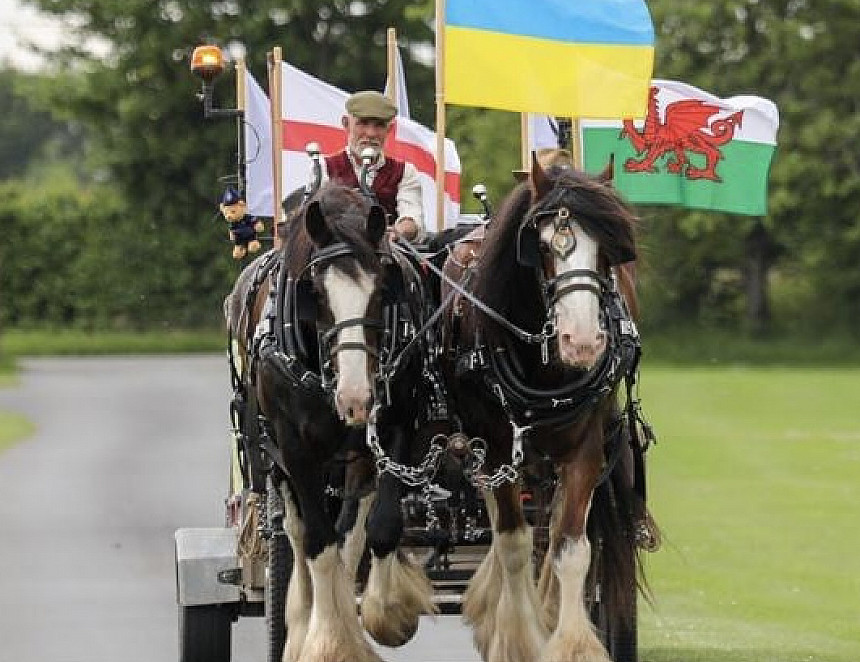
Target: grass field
pixel 54 342
pixel 755 482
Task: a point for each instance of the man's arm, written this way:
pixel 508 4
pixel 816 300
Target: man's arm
pixel 410 208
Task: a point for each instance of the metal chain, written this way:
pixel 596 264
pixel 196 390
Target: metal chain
pixel 412 476
pixel 506 473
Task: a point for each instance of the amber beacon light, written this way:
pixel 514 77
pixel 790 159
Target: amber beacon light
pixel 207 62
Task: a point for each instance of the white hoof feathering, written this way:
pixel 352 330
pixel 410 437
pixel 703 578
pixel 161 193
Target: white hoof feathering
pixel 520 631
pixel 334 633
pixel 480 600
pixel 398 592
pixel 299 595
pixel 574 639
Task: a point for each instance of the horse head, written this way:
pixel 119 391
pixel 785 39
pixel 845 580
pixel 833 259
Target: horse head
pixel 345 277
pixel 576 230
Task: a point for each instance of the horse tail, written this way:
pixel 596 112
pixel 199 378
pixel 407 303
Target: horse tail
pixel 616 510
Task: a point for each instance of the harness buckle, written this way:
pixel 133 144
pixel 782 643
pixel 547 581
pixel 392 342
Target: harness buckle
pixel 628 328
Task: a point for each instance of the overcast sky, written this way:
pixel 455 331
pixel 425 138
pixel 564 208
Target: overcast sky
pixel 17 23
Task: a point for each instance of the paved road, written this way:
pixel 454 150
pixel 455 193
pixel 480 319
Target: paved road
pixel 127 450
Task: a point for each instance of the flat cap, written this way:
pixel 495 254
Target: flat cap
pixel 370 104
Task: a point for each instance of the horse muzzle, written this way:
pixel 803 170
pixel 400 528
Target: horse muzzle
pixel 581 351
pixel 353 405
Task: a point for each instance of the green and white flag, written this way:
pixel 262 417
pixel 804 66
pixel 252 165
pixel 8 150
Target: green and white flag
pixel 692 149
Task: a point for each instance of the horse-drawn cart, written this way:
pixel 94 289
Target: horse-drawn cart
pixel 451 428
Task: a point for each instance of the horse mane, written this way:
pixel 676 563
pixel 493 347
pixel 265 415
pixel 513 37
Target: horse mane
pixel 346 211
pixel 498 279
pixel 511 289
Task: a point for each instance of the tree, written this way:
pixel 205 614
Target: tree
pixel 798 54
pixel 135 97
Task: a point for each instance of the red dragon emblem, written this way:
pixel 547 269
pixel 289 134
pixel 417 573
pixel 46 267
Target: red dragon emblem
pixel 684 129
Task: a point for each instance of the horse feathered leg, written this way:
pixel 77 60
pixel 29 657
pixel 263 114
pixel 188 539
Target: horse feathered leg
pixel 299 593
pixel 547 588
pixel 334 632
pixel 398 591
pixel 355 539
pixel 359 495
pixel 484 589
pixel 519 631
pixel 574 638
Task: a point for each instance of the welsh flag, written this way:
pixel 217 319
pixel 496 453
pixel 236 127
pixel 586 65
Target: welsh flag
pixel 311 111
pixel 692 149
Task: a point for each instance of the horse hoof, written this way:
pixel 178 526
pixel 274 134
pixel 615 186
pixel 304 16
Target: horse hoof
pixel 392 633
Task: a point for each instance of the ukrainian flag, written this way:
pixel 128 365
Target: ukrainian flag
pixel 571 58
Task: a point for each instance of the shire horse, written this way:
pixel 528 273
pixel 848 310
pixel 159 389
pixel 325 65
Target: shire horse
pixel 313 324
pixel 538 342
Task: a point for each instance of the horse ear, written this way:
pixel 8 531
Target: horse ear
pixel 376 224
pixel 608 173
pixel 315 224
pixel 539 181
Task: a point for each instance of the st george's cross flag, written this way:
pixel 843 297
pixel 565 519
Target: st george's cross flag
pixel 691 149
pixel 311 111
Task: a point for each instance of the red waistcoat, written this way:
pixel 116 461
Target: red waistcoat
pixel 385 182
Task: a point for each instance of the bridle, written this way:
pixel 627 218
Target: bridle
pixel 562 244
pixel 327 339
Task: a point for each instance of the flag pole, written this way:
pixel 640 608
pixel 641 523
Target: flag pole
pixel 393 83
pixel 240 125
pixel 440 115
pixel 525 141
pixel 576 143
pixel 275 91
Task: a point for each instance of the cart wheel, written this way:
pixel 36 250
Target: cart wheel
pixel 278 569
pixel 204 633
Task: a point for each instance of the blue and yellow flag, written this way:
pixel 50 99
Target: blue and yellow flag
pixel 572 58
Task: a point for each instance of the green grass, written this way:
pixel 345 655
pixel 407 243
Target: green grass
pixel 13 428
pixel 53 342
pixel 755 482
pixel 695 346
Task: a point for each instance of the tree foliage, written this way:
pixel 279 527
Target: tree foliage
pixel 146 137
pixel 131 100
pixel 800 55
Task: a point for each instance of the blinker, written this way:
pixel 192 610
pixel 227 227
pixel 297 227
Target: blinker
pixel 306 301
pixel 528 247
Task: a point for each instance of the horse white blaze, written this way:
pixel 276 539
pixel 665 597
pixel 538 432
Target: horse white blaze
pixel 348 299
pixel 581 341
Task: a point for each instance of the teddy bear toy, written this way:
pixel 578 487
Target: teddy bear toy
pixel 243 227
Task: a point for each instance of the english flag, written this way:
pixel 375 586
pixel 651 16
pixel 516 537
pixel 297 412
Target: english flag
pixel 311 111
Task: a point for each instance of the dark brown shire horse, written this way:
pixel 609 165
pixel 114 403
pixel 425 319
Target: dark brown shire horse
pixel 539 342
pixel 320 336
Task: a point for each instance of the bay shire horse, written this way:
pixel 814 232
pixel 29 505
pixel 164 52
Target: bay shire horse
pixel 318 328
pixel 539 342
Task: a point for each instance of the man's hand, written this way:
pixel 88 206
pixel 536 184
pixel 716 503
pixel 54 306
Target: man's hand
pixel 406 227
